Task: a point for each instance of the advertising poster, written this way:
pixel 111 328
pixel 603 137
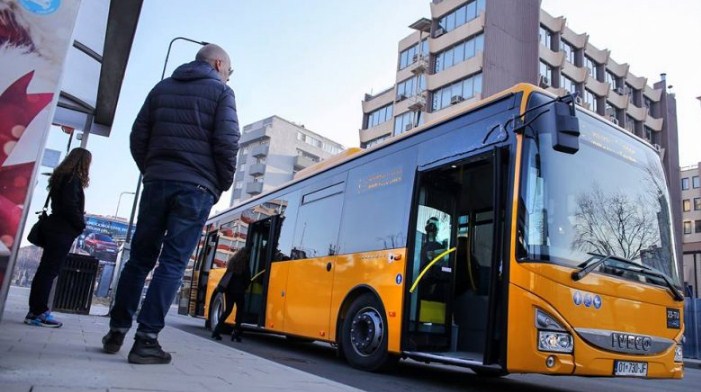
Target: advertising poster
pixel 35 36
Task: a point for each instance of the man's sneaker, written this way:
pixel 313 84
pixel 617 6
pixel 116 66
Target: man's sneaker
pixel 45 319
pixel 148 352
pixel 112 342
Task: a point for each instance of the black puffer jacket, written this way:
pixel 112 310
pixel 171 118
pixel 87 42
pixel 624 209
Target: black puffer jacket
pixel 187 130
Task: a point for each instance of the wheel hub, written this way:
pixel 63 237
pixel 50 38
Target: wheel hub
pixel 366 331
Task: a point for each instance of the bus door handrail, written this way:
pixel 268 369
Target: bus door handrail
pixel 434 261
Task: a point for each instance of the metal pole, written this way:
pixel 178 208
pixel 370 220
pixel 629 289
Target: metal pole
pixel 119 201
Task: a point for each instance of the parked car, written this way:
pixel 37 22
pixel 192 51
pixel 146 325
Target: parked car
pixel 101 246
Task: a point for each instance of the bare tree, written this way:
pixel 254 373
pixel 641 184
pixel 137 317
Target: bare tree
pixel 614 224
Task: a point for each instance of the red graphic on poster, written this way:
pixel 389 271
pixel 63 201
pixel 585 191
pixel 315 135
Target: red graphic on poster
pixel 17 110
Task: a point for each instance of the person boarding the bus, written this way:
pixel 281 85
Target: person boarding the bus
pixel 233 284
pixel 184 141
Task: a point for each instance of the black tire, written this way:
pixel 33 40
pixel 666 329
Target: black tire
pixel 216 308
pixel 364 335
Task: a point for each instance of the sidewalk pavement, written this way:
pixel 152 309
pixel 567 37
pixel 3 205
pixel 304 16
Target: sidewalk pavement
pixel 71 359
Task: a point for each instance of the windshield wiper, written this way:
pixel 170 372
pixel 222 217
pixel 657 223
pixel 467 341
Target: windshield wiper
pixel 640 268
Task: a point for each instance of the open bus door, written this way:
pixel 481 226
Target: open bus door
pixel 454 263
pixel 200 274
pixel 261 241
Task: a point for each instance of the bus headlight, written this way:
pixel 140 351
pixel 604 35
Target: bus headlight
pixel 678 354
pixel 552 336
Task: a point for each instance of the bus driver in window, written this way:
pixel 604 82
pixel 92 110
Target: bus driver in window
pixel 431 247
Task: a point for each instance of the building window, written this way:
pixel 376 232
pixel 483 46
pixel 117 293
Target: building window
pixel 697 226
pixel 687 227
pixel 630 124
pixel 612 79
pixel 546 73
pixel 648 134
pixel 697 204
pixel 545 37
pixel 379 116
pixel 695 181
pixel 631 94
pixel 374 142
pixel 591 66
pixel 686 205
pixel 569 51
pixel 591 99
pixel 457 92
pixel 404 122
pixel 238 185
pixel 309 139
pixel 461 15
pixel 685 183
pixel 333 149
pixel 458 53
pixel 411 87
pixel 409 56
pixel 568 84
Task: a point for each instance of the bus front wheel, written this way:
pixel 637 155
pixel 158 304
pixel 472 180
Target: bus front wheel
pixel 364 336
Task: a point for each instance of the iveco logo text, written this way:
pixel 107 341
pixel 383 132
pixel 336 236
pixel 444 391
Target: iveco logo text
pixel 630 342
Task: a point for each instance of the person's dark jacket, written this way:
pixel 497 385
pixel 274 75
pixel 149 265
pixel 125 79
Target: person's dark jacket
pixel 187 130
pixel 68 206
pixel 239 282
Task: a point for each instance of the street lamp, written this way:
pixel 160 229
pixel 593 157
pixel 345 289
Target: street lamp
pixel 119 201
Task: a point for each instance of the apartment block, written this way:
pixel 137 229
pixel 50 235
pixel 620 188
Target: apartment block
pixel 468 50
pixel 271 151
pixel 691 233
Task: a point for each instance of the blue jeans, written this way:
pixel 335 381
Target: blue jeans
pixel 171 218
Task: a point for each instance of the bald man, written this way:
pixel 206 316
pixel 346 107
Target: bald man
pixel 184 141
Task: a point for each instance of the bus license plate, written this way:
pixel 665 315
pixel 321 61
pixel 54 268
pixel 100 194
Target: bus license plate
pixel 627 368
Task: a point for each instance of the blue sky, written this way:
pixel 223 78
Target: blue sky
pixel 311 62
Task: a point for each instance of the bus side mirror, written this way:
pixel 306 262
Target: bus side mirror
pixel 566 137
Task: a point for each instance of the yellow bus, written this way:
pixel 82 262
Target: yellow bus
pixel 523 234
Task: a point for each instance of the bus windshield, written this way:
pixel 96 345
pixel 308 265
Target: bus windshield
pixel 609 198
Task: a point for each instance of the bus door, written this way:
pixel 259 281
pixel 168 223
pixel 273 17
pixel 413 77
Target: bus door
pixel 261 240
pixel 200 274
pixel 451 262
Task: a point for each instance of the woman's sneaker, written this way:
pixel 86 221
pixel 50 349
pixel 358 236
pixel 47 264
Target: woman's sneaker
pixel 45 319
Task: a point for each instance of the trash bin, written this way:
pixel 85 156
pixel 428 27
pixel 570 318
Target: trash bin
pixel 75 284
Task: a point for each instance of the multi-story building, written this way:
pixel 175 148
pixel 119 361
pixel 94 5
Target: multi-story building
pixel 691 217
pixel 271 151
pixel 470 49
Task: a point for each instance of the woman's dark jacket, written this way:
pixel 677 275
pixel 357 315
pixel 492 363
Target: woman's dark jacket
pixel 67 206
pixel 239 282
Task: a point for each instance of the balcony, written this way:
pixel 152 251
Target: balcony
pixel 303 162
pixel 254 188
pixel 256 134
pixel 260 151
pixel 256 169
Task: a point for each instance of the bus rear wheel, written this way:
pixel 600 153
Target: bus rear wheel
pixel 216 309
pixel 364 335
